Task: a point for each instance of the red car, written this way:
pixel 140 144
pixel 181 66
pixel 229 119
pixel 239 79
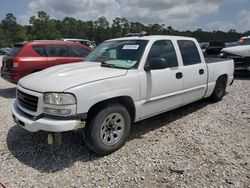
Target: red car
pixel 29 57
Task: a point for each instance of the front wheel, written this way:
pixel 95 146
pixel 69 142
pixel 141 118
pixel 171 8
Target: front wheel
pixel 108 130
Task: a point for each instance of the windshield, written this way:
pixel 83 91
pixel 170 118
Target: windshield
pixel 244 41
pixel 119 54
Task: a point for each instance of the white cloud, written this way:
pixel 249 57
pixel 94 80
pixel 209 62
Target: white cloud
pixel 220 25
pixel 242 24
pixel 244 20
pixel 180 14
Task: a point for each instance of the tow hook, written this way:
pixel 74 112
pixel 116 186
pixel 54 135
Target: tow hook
pixel 54 138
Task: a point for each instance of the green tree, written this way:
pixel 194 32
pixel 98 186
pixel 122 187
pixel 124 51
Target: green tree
pixel 101 29
pixel 120 27
pixel 43 27
pixel 11 31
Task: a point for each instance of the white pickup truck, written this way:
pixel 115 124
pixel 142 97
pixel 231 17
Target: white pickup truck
pixel 123 80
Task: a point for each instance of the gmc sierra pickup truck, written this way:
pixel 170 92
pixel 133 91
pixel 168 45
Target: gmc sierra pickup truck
pixel 123 80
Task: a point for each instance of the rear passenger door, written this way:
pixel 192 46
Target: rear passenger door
pixel 58 54
pixel 161 90
pixel 36 61
pixel 194 72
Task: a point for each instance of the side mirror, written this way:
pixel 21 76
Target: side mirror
pixel 156 63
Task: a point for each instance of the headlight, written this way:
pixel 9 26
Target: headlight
pixel 59 98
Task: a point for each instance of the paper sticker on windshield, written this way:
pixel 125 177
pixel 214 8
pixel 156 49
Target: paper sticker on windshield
pixel 130 47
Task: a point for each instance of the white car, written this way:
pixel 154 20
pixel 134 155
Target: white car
pixel 240 54
pixel 124 80
pixel 85 42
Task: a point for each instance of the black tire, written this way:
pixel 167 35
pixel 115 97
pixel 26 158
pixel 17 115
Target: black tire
pixel 105 132
pixel 220 89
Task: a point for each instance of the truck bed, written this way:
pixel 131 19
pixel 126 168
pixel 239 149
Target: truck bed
pixel 214 59
pixel 217 67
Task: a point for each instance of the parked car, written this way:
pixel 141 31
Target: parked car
pixel 240 54
pixel 123 80
pixel 142 33
pixel 29 57
pixel 203 46
pixel 214 48
pixel 91 44
pixel 2 52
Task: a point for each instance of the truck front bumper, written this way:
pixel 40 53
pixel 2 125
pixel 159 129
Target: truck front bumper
pixel 44 123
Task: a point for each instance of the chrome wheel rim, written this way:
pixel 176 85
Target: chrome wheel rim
pixel 112 129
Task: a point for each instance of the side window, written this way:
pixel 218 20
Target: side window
pixel 164 49
pixel 189 52
pixel 40 49
pixel 57 51
pixel 76 51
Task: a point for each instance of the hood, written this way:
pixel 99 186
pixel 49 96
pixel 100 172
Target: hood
pixel 243 50
pixel 62 77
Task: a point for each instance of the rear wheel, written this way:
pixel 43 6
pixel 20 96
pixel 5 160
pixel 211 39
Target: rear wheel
pixel 108 130
pixel 220 89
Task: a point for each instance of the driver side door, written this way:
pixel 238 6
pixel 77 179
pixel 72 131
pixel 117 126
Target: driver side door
pixel 161 90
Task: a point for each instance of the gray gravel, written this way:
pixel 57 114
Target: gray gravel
pixel 199 145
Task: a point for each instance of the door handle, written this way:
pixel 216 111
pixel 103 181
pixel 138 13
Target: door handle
pixel 179 75
pixel 201 71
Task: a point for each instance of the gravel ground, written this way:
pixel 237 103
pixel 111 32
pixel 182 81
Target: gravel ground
pixel 199 145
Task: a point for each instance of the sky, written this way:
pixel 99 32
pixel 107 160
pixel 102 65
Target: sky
pixel 180 14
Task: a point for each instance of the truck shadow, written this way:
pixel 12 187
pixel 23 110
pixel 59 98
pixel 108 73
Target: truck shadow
pixel 33 150
pixel 8 93
pixel 156 122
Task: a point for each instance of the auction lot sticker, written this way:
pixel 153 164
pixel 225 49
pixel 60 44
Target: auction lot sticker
pixel 130 47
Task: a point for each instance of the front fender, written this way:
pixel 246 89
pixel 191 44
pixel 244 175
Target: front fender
pixel 90 94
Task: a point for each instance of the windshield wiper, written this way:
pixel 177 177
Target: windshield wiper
pixel 104 64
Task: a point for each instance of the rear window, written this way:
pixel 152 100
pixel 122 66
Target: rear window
pixel 189 52
pixel 14 50
pixel 57 51
pixel 40 49
pixel 76 51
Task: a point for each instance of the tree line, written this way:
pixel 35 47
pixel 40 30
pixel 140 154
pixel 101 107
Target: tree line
pixel 43 27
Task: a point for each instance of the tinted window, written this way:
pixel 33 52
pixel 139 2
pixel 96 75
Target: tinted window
pixel 57 51
pixel 189 52
pixel 76 51
pixel 14 50
pixel 41 50
pixel 164 49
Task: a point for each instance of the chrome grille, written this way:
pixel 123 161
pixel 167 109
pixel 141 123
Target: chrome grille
pixel 27 101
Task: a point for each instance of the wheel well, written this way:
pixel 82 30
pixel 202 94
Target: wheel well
pixel 223 76
pixel 126 101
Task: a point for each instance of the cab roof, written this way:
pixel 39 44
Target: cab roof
pixel 153 37
pixel 46 42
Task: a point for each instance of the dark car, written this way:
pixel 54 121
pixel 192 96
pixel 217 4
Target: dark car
pixel 29 57
pixel 214 48
pixel 2 52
